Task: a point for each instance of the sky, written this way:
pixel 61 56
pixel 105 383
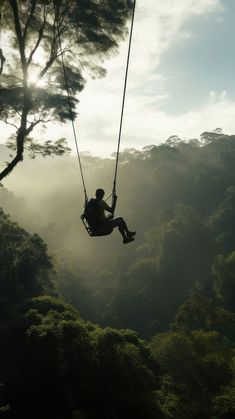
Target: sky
pixel 181 79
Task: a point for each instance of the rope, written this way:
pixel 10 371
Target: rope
pixel 71 116
pixel 123 99
pixel 122 110
pixel 2 58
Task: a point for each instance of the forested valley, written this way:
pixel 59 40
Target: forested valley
pixel 90 328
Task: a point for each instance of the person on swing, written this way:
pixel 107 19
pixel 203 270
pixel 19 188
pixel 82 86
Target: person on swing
pixel 109 222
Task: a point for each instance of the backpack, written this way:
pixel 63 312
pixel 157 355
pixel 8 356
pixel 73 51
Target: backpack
pixel 92 213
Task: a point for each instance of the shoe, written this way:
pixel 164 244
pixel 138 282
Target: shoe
pixel 128 240
pixel 131 233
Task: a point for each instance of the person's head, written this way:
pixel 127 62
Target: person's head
pixel 99 193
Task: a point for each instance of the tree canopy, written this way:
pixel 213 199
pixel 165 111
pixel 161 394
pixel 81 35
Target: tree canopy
pixel 52 362
pixel 33 90
pixel 70 318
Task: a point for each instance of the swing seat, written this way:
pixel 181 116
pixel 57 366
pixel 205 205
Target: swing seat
pixel 96 232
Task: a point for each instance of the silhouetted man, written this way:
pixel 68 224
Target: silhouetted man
pixel 106 222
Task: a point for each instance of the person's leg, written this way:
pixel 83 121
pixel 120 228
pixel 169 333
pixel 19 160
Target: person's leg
pixel 122 227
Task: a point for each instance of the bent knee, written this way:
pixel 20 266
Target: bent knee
pixel 119 220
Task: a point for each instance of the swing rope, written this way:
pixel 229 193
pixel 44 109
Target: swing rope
pixel 123 99
pixel 122 110
pixel 2 58
pixel 72 122
pixel 71 115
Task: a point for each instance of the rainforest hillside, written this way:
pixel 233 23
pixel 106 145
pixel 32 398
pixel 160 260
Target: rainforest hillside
pixel 94 329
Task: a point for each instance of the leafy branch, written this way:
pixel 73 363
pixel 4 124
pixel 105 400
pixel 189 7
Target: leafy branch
pixel 48 148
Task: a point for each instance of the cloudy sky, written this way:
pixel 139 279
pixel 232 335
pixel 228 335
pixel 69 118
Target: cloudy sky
pixel 181 79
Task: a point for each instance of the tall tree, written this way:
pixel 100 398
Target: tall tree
pixel 40 33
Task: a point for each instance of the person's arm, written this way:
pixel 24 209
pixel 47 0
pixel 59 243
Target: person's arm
pixel 112 208
pixel 114 203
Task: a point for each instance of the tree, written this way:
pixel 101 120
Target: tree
pixel 196 367
pixel 211 136
pixel 224 403
pixel 52 364
pixel 202 313
pixel 26 268
pixel 173 141
pixel 42 33
pixel 222 221
pixel 224 276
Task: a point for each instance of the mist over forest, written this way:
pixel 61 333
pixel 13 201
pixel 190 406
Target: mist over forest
pixel 177 195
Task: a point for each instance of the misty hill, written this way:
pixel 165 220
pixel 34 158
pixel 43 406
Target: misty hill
pixel 179 197
pixel 174 285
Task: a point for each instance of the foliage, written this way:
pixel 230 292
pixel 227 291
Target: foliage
pixel 201 313
pixel 51 44
pixel 53 363
pixel 48 148
pixel 25 265
pixel 174 286
pixel 224 283
pixel 224 403
pixel 196 367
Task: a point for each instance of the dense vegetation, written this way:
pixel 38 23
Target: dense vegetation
pixel 100 330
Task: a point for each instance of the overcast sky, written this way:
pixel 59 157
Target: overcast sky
pixel 181 79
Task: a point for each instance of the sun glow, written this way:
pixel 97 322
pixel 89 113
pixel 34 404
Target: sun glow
pixel 35 68
pixel 34 80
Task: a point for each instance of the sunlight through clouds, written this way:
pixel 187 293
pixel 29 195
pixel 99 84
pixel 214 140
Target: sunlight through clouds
pixel 159 26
